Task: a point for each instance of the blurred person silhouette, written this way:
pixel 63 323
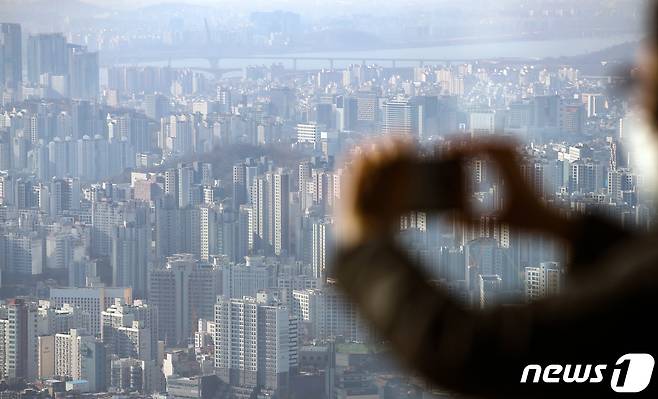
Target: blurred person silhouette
pixel 605 313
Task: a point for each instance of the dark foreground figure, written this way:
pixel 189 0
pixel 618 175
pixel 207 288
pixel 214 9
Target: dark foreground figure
pixel 598 338
pixel 608 312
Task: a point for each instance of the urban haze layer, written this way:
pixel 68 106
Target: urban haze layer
pixel 168 175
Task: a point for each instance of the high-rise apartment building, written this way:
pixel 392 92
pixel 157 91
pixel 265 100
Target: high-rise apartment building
pixel 279 210
pixel 309 133
pixel 83 73
pixel 239 185
pixel 91 300
pixel 183 290
pixel 128 375
pixel 400 117
pixel 47 53
pixel 20 340
pixel 211 229
pixel 81 356
pixel 11 56
pixel 255 343
pixel 246 279
pixel 156 106
pixel 481 123
pixel 129 258
pixel 22 252
pixel 105 215
pixel 131 330
pixel 270 196
pixel 168 234
pixel 545 280
pixel 52 320
pixel 328 314
pixel 321 247
pixel 490 289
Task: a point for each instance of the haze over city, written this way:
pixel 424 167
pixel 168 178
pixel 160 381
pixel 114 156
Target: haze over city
pixel 169 173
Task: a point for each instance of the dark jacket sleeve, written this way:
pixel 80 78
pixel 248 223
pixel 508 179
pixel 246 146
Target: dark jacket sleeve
pixel 591 237
pixel 483 353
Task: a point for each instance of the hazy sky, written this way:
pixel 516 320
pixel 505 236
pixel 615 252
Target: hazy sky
pixel 270 4
pixel 219 3
pixel 305 7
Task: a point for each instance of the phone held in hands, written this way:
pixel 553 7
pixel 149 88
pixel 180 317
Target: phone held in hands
pixel 428 185
pixel 434 186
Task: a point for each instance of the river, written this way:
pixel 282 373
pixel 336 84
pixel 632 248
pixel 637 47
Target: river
pixel 508 49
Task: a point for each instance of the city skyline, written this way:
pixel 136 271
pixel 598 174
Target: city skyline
pixel 167 228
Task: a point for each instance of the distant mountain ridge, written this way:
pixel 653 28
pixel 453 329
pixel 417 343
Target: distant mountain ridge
pixel 68 7
pixel 623 52
pixel 608 61
pixel 42 15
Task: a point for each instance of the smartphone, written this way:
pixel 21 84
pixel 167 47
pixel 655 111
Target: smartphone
pixel 422 185
pixel 435 185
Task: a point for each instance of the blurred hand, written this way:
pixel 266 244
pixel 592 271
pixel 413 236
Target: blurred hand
pixel 376 171
pixel 523 208
pixel 380 170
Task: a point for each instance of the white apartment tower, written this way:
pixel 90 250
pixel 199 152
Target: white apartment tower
pixel 255 343
pixel 542 281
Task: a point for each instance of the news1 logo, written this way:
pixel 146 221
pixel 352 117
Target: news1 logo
pixel 630 374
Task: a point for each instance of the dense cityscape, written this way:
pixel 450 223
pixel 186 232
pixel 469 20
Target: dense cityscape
pixel 167 230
